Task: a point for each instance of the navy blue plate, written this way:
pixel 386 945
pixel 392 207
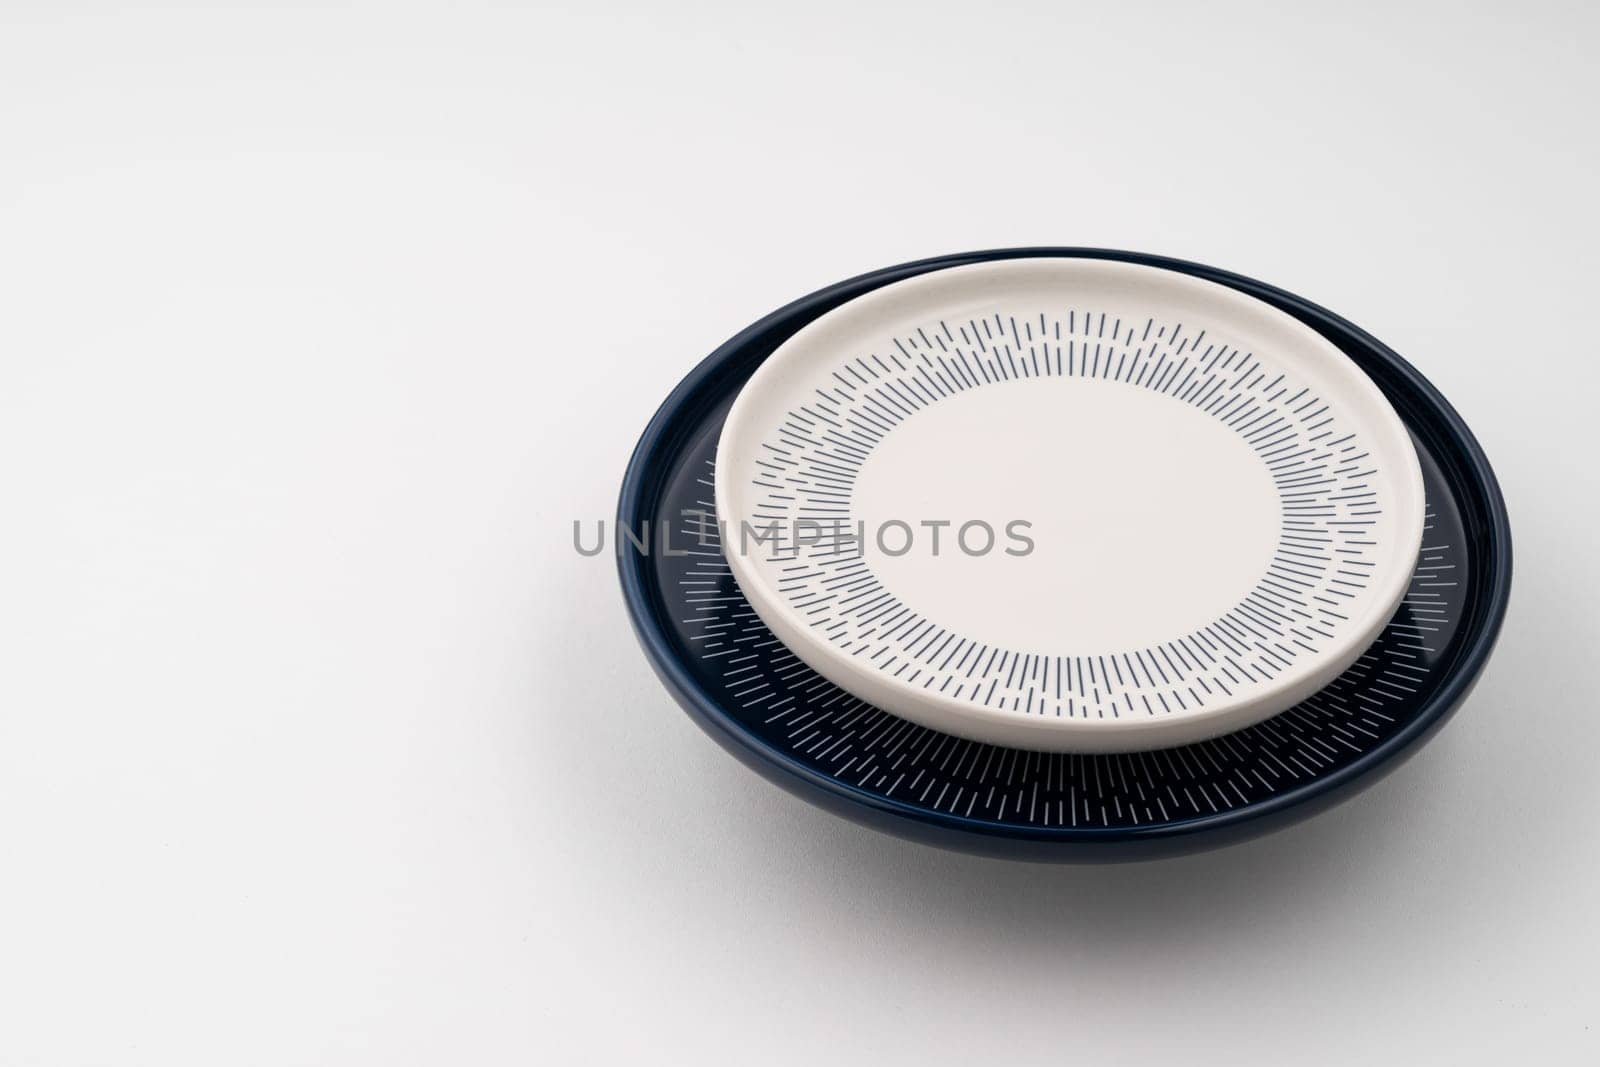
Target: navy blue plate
pixel 757 700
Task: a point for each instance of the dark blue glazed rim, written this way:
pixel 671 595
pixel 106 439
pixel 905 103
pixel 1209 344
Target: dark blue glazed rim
pixel 1449 449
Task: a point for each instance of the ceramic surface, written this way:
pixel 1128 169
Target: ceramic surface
pixel 1068 504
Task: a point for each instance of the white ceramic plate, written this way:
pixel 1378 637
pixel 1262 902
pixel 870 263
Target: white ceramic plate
pixel 1069 505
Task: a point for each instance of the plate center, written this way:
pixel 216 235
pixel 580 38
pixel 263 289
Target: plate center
pixel 1121 518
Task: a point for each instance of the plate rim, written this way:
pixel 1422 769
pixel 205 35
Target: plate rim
pixel 1316 358
pixel 641 486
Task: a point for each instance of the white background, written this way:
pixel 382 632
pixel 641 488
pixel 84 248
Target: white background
pixel 319 325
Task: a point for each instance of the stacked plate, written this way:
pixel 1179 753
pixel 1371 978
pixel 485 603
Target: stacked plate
pixel 1063 553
